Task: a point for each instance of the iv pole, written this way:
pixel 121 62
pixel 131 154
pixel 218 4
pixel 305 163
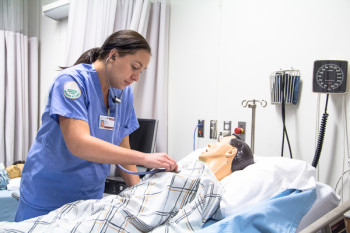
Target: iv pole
pixel 251 104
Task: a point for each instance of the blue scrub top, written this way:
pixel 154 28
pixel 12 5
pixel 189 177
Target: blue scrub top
pixel 52 176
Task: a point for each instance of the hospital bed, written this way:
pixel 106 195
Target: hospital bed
pixel 333 217
pixel 273 195
pixel 266 179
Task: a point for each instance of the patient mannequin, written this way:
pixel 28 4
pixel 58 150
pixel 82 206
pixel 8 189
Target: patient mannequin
pixel 226 156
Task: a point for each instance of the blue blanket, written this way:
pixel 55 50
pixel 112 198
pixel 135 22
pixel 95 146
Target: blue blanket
pixel 8 206
pixel 281 213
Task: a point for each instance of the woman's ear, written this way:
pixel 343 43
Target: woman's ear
pixel 231 152
pixel 113 54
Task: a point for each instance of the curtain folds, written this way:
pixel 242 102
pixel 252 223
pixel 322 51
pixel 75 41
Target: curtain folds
pixel 18 73
pixel 151 92
pixel 90 22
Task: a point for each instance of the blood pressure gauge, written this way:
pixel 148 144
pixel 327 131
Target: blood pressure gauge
pixel 330 76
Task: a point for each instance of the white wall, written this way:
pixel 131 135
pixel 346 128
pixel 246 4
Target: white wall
pixel 223 52
pixel 52 47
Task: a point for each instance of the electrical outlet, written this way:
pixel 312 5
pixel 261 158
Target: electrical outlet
pixel 200 129
pixel 213 129
pixel 242 124
pixel 227 129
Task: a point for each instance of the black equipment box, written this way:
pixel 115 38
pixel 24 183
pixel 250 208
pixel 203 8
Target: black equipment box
pixel 114 185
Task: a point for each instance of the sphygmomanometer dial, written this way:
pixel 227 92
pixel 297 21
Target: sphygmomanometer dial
pixel 330 76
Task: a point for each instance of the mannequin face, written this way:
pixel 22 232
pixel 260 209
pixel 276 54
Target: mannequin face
pixel 218 157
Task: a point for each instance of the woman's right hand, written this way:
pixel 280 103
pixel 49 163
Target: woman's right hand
pixel 160 160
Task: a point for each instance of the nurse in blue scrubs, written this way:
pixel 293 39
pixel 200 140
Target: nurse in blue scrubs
pixel 85 128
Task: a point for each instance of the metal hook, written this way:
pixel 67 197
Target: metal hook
pixel 263 103
pixel 245 103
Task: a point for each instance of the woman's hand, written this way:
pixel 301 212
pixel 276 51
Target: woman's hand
pixel 76 134
pixel 160 160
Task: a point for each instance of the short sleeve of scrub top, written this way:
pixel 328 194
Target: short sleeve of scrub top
pixel 68 99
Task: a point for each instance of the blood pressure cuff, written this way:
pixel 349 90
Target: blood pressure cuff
pixel 296 90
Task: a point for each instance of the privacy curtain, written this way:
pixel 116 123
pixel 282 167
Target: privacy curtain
pixel 18 82
pixel 90 22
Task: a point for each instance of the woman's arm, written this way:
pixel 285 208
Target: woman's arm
pixel 129 179
pixel 76 134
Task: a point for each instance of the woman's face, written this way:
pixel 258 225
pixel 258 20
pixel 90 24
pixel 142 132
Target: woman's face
pixel 123 71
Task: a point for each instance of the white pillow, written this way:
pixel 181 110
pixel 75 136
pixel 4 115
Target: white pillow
pixel 264 179
pixel 14 184
pixel 194 155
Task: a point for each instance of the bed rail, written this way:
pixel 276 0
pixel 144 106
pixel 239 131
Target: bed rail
pixel 327 218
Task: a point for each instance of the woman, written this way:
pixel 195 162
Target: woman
pixel 69 159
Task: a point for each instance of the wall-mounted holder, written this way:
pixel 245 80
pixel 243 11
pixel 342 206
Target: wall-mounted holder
pixel 284 85
pixel 252 104
pixel 285 90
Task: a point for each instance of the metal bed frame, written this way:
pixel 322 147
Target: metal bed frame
pixel 326 221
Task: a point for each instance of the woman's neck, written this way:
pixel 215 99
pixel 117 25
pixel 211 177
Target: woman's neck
pixel 100 68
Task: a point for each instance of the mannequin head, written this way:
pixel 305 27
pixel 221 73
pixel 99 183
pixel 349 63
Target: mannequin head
pixel 228 155
pixel 219 157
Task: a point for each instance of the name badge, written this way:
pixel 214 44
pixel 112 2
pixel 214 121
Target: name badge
pixel 106 122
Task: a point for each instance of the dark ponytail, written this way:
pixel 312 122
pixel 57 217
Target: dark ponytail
pixel 89 56
pixel 126 42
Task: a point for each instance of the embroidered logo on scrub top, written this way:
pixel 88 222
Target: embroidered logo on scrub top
pixel 71 90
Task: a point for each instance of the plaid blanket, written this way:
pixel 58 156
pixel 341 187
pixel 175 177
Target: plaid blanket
pixel 163 202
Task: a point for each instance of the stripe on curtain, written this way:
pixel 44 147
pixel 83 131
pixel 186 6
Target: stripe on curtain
pixel 16 122
pixel 18 78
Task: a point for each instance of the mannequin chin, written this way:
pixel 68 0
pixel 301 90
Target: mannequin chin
pixel 228 155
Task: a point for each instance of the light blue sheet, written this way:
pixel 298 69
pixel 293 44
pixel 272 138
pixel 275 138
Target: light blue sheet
pixel 281 213
pixel 8 206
